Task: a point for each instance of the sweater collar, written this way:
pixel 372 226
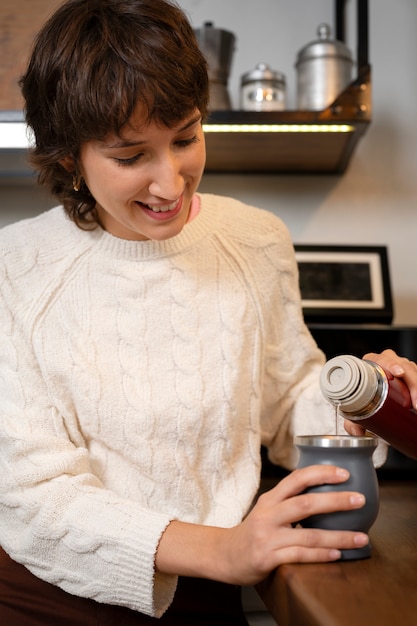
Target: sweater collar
pixel 202 226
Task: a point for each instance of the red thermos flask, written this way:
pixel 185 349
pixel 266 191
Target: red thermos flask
pixel 367 395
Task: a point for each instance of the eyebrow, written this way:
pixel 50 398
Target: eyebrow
pixel 126 143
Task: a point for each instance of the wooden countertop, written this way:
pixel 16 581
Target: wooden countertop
pixel 381 590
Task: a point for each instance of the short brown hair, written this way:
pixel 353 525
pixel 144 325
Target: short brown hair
pixel 91 64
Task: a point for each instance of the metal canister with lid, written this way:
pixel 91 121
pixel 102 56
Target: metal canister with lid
pixel 263 89
pixel 324 69
pixel 218 46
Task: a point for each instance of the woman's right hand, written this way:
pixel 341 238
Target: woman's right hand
pixel 269 536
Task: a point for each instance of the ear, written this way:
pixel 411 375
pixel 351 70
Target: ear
pixel 68 163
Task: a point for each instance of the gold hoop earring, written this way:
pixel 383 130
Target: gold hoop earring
pixel 76 182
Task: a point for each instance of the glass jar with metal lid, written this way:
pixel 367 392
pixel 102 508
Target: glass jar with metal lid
pixel 263 89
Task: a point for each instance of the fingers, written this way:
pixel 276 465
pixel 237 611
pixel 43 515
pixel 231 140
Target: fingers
pixel 354 429
pixel 328 502
pixel 313 545
pixel 306 505
pixel 388 359
pixel 300 479
pixel 399 367
pixel 287 503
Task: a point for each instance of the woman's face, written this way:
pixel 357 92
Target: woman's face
pixel 143 183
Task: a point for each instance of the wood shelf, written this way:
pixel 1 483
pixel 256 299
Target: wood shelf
pixel 294 150
pixel 304 142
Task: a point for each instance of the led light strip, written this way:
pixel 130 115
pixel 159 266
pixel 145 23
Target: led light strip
pixel 15 135
pixel 278 128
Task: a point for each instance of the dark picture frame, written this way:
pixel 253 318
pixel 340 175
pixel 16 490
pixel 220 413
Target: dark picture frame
pixel 344 284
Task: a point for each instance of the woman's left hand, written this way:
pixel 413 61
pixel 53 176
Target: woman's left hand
pixel 402 372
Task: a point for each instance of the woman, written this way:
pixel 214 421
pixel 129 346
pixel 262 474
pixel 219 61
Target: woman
pixel 151 339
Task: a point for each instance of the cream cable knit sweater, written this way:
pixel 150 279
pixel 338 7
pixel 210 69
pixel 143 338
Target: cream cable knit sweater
pixel 137 380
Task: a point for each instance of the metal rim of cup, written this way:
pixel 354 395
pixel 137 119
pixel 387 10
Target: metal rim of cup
pixel 336 441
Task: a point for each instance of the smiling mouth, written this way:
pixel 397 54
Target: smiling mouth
pixel 161 208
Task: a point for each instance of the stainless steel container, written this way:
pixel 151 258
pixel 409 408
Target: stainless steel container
pixel 218 46
pixel 263 89
pixel 324 69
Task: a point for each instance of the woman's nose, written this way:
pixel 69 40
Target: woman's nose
pixel 166 180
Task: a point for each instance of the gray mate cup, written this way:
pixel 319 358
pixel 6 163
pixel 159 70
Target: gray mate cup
pixel 355 455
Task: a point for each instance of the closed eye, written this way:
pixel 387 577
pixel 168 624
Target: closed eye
pixel 183 143
pixel 180 143
pixel 129 161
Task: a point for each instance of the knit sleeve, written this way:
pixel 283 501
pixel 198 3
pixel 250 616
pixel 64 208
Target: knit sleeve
pixel 56 517
pixel 291 401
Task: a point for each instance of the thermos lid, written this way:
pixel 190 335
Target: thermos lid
pixel 262 72
pixel 324 46
pixel 349 382
pixel 335 441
